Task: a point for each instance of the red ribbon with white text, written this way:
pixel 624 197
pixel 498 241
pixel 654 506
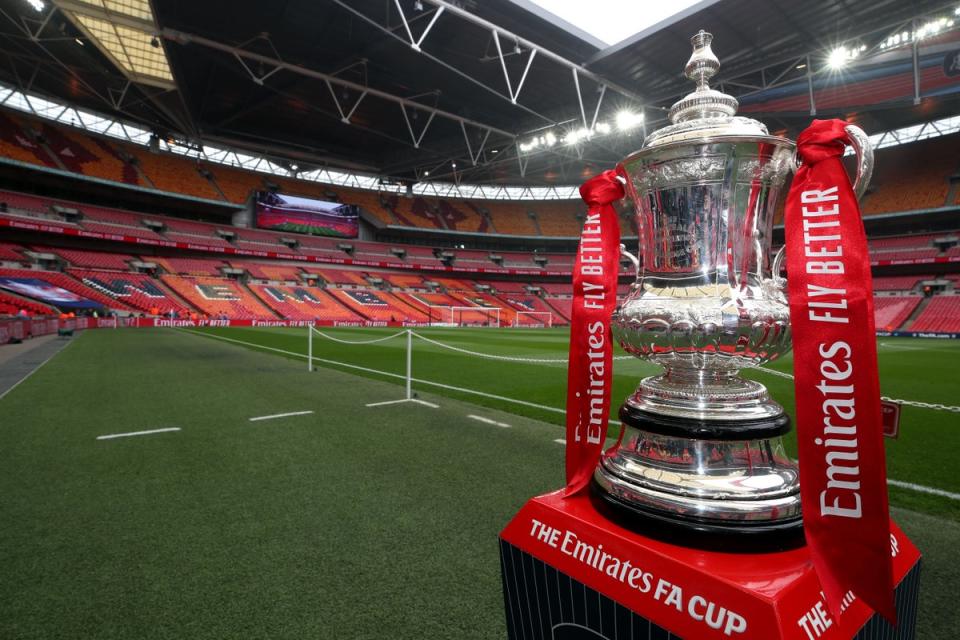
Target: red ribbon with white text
pixel 843 482
pixel 590 367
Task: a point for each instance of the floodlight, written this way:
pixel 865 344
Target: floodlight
pixel 38 5
pixel 627 120
pixel 838 58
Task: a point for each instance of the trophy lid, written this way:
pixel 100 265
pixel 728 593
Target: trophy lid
pixel 705 112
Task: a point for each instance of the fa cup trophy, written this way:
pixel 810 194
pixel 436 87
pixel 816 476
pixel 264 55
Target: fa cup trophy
pixel 702 447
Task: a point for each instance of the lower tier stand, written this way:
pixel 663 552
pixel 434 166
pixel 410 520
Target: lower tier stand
pixel 569 573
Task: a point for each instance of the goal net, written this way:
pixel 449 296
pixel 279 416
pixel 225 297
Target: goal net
pixel 476 316
pixel 440 315
pixel 533 319
pixel 464 316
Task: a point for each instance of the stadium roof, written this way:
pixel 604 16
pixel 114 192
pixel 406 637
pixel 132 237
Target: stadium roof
pixel 498 91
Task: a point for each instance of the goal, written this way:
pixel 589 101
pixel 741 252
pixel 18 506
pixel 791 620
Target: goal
pixel 464 316
pixel 476 316
pixel 533 319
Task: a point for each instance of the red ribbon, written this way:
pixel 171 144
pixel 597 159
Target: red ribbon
pixel 590 367
pixel 842 464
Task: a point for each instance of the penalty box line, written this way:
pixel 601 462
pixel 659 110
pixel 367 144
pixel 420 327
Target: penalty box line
pixel 897 483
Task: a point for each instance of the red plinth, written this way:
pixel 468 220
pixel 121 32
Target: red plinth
pixel 681 592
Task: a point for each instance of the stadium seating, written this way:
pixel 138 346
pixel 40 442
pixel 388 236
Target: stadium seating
pixel 269 271
pixel 892 311
pixel 218 296
pixel 140 291
pixel 897 283
pixel 531 310
pixel 11 252
pixel 341 277
pixel 562 306
pixel 17 144
pixel 190 266
pixel 942 313
pixel 913 176
pixel 377 305
pixel 303 303
pixel 64 281
pixel 176 174
pixel 92 259
pixel 11 305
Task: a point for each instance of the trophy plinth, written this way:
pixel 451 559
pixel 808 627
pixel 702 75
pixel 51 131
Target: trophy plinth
pixel 702 446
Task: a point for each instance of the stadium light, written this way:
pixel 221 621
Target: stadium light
pixel 627 120
pixel 839 57
pixel 38 5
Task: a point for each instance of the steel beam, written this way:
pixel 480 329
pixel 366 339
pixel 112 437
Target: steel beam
pixel 183 38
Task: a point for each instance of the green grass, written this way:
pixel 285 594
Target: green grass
pixel 912 369
pixel 352 522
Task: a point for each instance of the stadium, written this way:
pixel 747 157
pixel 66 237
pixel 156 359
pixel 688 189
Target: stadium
pixel 286 290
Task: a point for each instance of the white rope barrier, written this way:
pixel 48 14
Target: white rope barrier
pixel 936 406
pixel 342 341
pixel 490 356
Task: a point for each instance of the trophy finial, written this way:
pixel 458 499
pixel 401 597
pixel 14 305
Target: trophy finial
pixel 703 63
pixel 704 102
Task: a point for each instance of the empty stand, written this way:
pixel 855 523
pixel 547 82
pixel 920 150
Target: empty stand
pixel 139 291
pixel 190 266
pixel 942 313
pixel 913 176
pixel 376 305
pixel 218 296
pixel 92 259
pixel 11 252
pixel 64 281
pixel 897 283
pixel 11 305
pixel 303 303
pixel 892 311
pixel 269 271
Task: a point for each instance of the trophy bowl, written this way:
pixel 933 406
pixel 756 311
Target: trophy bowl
pixel 701 446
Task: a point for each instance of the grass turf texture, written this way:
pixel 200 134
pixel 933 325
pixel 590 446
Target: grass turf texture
pixel 913 369
pixel 352 522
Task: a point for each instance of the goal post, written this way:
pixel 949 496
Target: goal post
pixel 476 316
pixel 440 315
pixel 535 319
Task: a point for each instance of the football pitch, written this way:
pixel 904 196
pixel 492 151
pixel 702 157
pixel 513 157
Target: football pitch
pixel 348 521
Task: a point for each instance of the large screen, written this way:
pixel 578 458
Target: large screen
pixel 47 292
pixel 282 212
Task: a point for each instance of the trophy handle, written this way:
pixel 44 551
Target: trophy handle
pixel 864 151
pixel 777 266
pixel 633 259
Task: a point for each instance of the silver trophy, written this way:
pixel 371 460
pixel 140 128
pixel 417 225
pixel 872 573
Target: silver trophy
pixel 702 447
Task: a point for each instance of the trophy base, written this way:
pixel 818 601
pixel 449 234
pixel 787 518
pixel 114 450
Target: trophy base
pixel 570 573
pixel 691 532
pixel 702 476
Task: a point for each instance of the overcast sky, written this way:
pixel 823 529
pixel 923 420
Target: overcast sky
pixel 614 20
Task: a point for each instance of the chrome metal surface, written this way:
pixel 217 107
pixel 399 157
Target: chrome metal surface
pixel 713 481
pixel 864 150
pixel 706 303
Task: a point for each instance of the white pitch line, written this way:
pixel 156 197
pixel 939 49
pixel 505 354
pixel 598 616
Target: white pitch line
pixel 923 489
pixel 561 441
pixel 281 415
pixel 136 433
pixel 502 425
pixel 34 370
pixel 905 485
